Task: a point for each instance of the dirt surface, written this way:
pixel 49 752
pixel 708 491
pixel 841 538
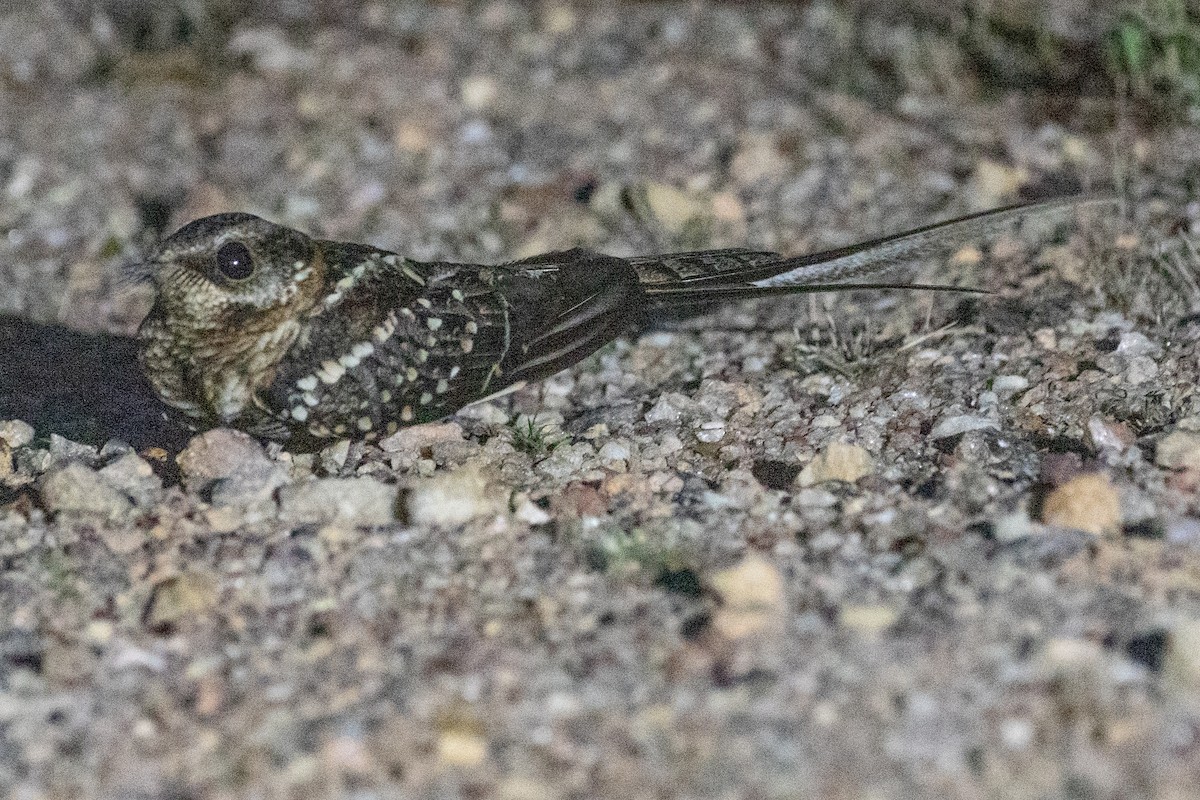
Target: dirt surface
pixel 883 545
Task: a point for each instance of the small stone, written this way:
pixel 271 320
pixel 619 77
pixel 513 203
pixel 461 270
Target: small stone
pixel 756 158
pixel 1088 502
pixel 16 433
pixel 1178 450
pixel 478 92
pixel 1110 435
pixel 1010 384
pixel 752 597
pixel 183 596
pixel 1012 527
pixel 419 438
pixel 63 449
pixel 1141 369
pixel 711 432
pixel 960 424
pixel 462 749
pixel 993 182
pixel 868 619
pixel 353 501
pixel 78 489
pixel 333 457
pixel 132 475
pixel 674 209
pixel 663 411
pixel 233 465
pixel 1181 666
pixel 452 498
pixel 838 462
pixel 531 514
pixel 615 456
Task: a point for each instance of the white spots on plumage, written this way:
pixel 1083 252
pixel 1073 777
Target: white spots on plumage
pixel 412 274
pixel 408 312
pixel 384 330
pixel 425 399
pixel 400 379
pixel 330 372
pixel 392 427
pixel 433 323
pixel 349 360
pixel 406 414
pixel 385 396
pixel 471 328
pixel 422 356
pixel 339 429
pixel 364 423
pixel 424 302
pixel 309 399
pixel 362 350
pixel 412 374
pixel 299 413
pixel 454 371
pixel 467 345
pixel 391 259
pixel 443 386
pixel 307 383
pixel 458 295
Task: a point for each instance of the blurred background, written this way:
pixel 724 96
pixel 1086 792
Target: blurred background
pixel 494 130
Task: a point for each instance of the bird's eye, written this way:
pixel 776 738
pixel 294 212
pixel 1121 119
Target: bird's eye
pixel 234 261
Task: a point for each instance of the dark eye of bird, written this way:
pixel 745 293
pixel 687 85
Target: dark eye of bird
pixel 234 261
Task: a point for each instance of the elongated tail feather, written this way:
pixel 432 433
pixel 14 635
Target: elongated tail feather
pixel 731 274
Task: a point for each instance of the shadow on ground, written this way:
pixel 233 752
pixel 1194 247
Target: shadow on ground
pixel 85 387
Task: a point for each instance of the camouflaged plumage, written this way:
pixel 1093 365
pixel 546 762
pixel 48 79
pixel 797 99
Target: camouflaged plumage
pixel 260 327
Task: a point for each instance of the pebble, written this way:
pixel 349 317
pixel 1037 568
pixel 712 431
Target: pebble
pixel 663 411
pixel 868 619
pixel 16 433
pixel 1088 502
pixel 1107 435
pixel 189 594
pixel 462 749
pixel 752 597
pixel 455 497
pixel 673 209
pixel 353 501
pixel 614 456
pixel 1178 450
pixel 1181 666
pixel 1010 384
pixel 63 449
pixel 233 465
pixel 417 438
pixel 710 432
pixel 956 425
pixel 133 475
pixel 78 489
pixel 838 462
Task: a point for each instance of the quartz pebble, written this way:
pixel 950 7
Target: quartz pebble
pixel 454 497
pixel 354 501
pixel 838 462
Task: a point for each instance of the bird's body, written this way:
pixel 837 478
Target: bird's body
pixel 261 327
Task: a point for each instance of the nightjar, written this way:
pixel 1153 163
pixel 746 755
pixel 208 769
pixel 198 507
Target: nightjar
pixel 261 327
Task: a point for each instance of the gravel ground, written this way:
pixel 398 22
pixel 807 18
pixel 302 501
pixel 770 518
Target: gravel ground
pixel 869 546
